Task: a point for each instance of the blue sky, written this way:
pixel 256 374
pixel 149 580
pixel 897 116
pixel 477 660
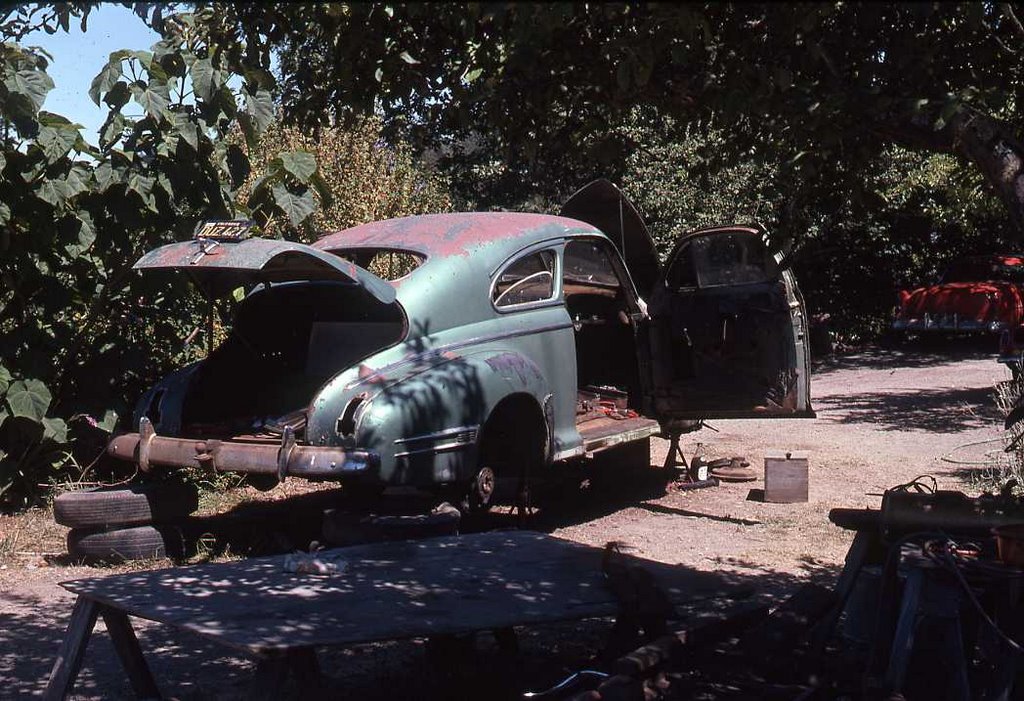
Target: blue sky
pixel 78 57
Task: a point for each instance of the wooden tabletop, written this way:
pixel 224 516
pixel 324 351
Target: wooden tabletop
pixel 387 591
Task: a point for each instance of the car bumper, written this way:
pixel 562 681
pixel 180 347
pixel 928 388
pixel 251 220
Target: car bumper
pixel 284 460
pixel 949 322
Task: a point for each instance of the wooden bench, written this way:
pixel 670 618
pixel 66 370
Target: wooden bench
pixel 387 591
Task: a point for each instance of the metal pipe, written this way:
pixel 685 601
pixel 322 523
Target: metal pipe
pixel 229 456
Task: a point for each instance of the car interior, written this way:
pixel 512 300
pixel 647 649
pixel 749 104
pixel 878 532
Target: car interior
pixel 265 371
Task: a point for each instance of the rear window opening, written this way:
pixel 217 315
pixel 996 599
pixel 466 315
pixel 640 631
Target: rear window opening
pixel 386 263
pixel 286 341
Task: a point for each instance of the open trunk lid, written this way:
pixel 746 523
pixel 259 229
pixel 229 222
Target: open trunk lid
pixel 219 266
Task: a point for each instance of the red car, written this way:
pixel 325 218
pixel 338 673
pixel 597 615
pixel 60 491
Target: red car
pixel 977 294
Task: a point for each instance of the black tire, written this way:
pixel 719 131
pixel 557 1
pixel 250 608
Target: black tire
pixel 105 507
pixel 124 544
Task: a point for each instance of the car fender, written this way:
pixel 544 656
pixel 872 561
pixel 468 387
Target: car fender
pixel 163 402
pixel 424 419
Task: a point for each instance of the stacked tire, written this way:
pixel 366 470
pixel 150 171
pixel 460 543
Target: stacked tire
pixel 119 524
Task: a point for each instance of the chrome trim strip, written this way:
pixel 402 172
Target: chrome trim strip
pixel 566 454
pixel 444 447
pixel 440 434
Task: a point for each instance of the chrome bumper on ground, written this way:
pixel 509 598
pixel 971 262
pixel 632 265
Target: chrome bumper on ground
pixel 286 459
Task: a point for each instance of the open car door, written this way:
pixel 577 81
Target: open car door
pixel 728 331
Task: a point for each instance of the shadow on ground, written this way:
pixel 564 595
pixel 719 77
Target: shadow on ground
pixel 909 355
pixel 940 410
pixel 188 666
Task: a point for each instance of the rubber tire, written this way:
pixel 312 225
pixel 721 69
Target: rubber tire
pixel 125 544
pixel 106 507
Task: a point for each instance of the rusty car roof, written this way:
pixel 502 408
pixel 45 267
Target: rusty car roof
pixel 493 235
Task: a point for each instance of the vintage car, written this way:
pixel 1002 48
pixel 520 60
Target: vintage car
pixel 500 344
pixel 977 294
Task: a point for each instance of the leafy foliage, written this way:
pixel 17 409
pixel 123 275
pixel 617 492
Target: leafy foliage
pixel 79 334
pixel 827 86
pixel 358 177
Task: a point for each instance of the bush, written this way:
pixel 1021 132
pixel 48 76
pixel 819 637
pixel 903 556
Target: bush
pixel 363 178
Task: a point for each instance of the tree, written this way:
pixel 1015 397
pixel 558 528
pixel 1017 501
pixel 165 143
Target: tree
pixel 828 85
pixel 76 339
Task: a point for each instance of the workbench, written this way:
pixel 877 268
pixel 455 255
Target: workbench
pixel 385 591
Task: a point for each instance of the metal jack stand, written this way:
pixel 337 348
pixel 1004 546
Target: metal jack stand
pixel 675 460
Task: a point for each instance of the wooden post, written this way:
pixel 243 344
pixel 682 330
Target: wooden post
pixel 72 649
pixel 128 651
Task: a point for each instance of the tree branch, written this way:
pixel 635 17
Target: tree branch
pixel 1007 9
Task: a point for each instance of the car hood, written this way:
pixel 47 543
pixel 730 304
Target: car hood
pixel 983 301
pixel 605 207
pixel 218 267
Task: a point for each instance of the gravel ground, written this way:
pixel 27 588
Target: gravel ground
pixel 884 418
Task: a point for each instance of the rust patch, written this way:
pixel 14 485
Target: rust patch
pixel 448 234
pixel 514 364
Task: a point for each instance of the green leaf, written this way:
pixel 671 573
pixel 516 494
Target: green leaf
pixel 5 379
pixel 30 83
pixel 104 175
pixel 29 399
pixel 185 128
pixel 52 191
pixel 112 129
pixel 118 95
pixel 109 421
pixel 472 75
pixel 300 164
pixel 55 430
pixel 107 77
pixel 56 141
pixel 205 79
pixel 154 97
pixel 5 215
pixel 295 207
pixel 407 57
pixel 85 235
pixel 260 106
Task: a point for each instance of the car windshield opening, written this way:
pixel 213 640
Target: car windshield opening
pixel 386 263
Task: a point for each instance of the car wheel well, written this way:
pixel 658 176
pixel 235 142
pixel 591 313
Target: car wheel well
pixel 515 433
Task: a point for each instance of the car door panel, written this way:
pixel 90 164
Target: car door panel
pixel 728 331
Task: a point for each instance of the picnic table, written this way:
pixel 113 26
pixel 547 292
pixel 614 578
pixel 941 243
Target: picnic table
pixel 385 591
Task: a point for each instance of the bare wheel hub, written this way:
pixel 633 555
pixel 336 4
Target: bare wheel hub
pixel 483 488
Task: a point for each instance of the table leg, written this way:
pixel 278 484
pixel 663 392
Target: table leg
pixel 271 674
pixel 306 669
pixel 273 669
pixel 127 647
pixel 72 649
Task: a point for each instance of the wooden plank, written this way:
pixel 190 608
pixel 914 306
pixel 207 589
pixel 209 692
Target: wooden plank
pixel 389 591
pixel 128 651
pixel 72 649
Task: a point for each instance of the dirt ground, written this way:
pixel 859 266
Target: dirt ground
pixel 884 417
